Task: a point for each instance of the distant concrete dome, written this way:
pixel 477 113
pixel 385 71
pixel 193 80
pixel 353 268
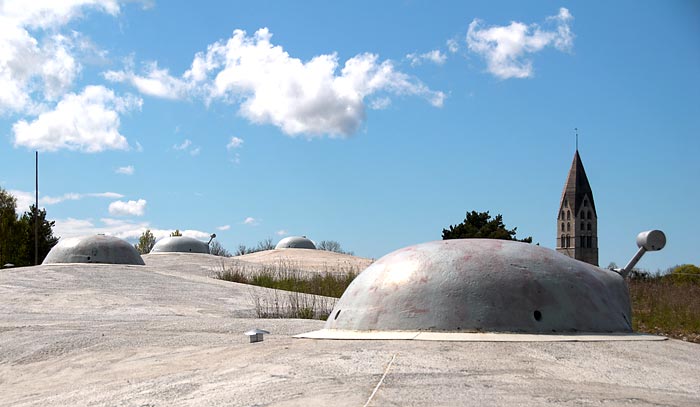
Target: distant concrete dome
pixel 94 249
pixel 483 285
pixel 180 244
pixel 295 242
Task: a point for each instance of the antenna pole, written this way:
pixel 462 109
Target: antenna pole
pixel 36 209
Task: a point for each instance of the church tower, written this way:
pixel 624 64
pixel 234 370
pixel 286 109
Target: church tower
pixel 577 222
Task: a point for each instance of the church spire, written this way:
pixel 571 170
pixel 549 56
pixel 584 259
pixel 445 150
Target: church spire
pixel 577 221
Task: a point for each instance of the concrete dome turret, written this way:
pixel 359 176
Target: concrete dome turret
pixel 180 244
pixel 295 242
pixel 483 285
pixel 94 249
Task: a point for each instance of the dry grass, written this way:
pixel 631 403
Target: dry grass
pixel 666 307
pixel 291 284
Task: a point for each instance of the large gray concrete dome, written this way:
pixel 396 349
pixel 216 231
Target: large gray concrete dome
pixel 180 244
pixel 94 249
pixel 483 285
pixel 295 242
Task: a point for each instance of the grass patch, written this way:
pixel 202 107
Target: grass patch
pixel 291 284
pixel 666 307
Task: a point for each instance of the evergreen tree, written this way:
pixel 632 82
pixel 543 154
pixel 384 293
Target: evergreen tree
pixel 146 242
pixel 480 225
pixel 176 233
pixel 45 234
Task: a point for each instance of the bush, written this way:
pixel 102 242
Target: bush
pixel 686 273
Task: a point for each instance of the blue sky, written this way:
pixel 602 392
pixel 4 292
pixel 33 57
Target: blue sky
pixel 375 124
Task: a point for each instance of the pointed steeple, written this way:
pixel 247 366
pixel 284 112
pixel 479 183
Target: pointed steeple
pixel 577 186
pixel 577 220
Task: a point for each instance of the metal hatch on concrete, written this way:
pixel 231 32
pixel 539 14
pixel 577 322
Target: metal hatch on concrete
pixel 295 242
pixel 94 249
pixel 180 244
pixel 469 287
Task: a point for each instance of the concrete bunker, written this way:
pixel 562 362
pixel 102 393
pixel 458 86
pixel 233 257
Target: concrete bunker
pixel 94 249
pixel 295 242
pixel 180 244
pixel 482 285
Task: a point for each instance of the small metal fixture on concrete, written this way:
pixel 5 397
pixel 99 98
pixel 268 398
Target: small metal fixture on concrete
pixel 649 241
pixel 180 244
pixel 256 335
pixel 295 242
pixel 213 235
pixel 94 249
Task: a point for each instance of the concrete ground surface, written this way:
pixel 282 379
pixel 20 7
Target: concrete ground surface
pixel 167 334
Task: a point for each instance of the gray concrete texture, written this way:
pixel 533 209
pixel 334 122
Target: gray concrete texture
pixel 167 334
pixel 94 249
pixel 180 244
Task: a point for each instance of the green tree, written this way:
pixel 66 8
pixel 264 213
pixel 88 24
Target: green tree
pixel 44 232
pixel 8 227
pixel 176 233
pixel 146 242
pixel 17 233
pixel 480 225
pixel 686 273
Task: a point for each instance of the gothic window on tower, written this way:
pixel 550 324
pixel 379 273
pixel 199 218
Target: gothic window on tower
pixel 562 238
pixel 590 241
pixel 568 227
pixel 583 226
pixel 589 226
pixel 568 215
pixel 562 226
pixel 583 241
pixel 589 214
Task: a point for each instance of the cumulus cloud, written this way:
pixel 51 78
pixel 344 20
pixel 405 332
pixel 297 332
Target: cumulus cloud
pixel 234 143
pixel 88 122
pixel 128 170
pixel 452 45
pixel 183 146
pixel 224 227
pixel 25 199
pixel 155 82
pixel 506 48
pixel 281 232
pixel 435 56
pixel 250 221
pixel 37 63
pixel 315 97
pixel 124 229
pixel 128 208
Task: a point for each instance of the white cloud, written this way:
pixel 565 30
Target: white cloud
pixel 120 228
pixel 87 122
pixel 25 199
pixel 435 56
pixel 128 170
pixel 185 144
pixel 250 221
pixel 310 98
pixel 156 82
pixel 195 151
pixel 224 227
pixel 234 143
pixel 128 208
pixel 452 45
pixel 505 47
pixel 380 103
pixel 281 232
pixel 37 63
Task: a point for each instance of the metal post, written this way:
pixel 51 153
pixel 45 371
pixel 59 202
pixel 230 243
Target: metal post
pixel 36 210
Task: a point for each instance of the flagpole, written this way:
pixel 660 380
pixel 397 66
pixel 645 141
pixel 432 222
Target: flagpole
pixel 36 209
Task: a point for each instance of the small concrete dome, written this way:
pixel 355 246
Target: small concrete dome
pixel 483 285
pixel 180 244
pixel 94 249
pixel 295 242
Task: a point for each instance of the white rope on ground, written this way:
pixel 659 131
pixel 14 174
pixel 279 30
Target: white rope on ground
pixel 380 381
